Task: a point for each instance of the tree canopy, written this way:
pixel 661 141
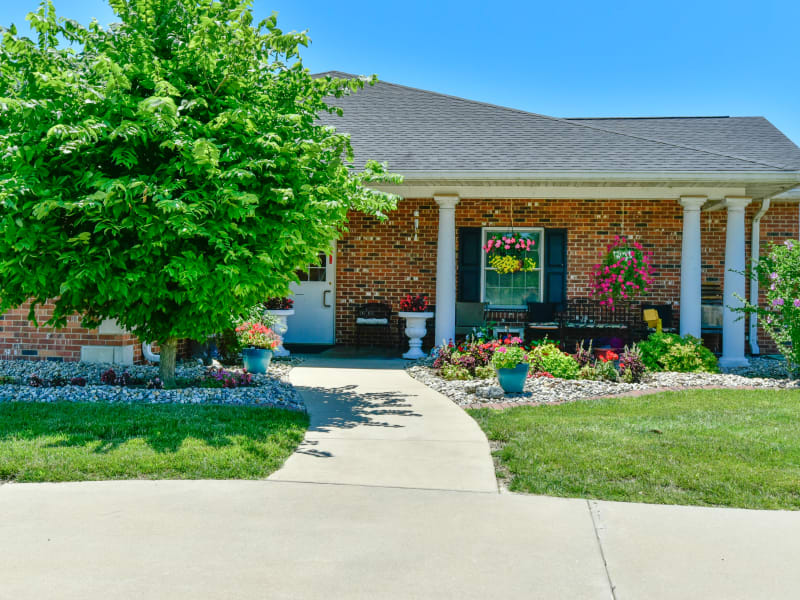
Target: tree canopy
pixel 169 170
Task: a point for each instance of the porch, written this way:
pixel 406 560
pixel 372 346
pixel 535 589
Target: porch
pixel 433 246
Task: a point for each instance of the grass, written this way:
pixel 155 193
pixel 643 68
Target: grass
pixel 80 442
pixel 738 448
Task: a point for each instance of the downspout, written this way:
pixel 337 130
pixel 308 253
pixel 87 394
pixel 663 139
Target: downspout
pixel 149 355
pixel 755 252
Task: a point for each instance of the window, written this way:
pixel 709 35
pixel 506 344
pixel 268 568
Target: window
pixel 504 290
pixel 315 272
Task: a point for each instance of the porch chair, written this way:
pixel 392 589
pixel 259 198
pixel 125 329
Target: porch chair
pixel 469 316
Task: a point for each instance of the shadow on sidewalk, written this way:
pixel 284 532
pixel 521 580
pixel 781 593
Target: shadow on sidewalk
pixel 344 407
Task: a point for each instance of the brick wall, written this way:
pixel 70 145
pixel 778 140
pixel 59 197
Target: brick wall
pixel 20 339
pixel 383 261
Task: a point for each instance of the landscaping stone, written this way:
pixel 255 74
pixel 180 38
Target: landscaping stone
pixel 272 389
pixel 764 373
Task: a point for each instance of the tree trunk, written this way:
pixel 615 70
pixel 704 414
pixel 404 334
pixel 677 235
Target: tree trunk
pixel 166 369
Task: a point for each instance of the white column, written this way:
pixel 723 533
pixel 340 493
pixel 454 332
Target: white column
pixel 446 270
pixel 691 266
pixel 734 284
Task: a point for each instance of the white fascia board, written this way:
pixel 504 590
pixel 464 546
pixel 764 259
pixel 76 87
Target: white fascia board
pixel 775 177
pixel 562 190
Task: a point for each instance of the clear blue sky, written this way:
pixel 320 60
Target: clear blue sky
pixel 562 58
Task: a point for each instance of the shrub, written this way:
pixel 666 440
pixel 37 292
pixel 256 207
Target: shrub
pixel 79 381
pixel 155 384
pixel 35 381
pixel 508 357
pixel 584 356
pixel 484 372
pixel 548 358
pixel 57 381
pixel 108 377
pixel 631 365
pixel 600 371
pixel 670 352
pixel 4 379
pixel 226 379
pixel 452 372
pixel 778 274
pixel 606 371
pixel 470 354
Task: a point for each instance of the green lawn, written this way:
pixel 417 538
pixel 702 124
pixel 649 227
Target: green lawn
pixel 78 442
pixel 706 447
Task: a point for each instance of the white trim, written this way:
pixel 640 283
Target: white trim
pixel 775 177
pixel 540 267
pixel 559 191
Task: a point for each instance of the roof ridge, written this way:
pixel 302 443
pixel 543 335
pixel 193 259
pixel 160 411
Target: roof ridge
pixel 586 125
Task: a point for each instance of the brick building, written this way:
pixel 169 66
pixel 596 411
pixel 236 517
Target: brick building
pixel 697 192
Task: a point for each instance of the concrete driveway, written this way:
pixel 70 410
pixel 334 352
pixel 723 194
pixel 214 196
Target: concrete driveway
pixel 362 511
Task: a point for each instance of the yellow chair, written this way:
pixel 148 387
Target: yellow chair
pixel 652 319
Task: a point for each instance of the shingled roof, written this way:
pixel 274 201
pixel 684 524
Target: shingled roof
pixel 419 130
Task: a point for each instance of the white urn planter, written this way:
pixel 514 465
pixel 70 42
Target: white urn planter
pixel 415 331
pixel 281 328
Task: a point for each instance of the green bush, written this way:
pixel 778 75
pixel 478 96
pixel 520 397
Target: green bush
pixel 484 372
pixel 455 372
pixel 600 371
pixel 549 359
pixel 670 352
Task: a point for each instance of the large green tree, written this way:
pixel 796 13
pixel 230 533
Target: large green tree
pixel 167 171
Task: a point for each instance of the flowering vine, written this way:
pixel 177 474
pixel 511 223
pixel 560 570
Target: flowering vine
pixel 508 253
pixel 623 272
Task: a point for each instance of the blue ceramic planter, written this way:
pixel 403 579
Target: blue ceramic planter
pixel 513 380
pixel 256 360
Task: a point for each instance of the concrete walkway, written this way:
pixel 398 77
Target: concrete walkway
pixel 372 424
pixel 360 512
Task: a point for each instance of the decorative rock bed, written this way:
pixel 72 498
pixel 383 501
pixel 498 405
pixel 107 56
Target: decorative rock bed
pixel 271 390
pixel 762 373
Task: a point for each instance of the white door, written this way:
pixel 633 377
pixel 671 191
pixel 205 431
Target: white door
pixel 314 303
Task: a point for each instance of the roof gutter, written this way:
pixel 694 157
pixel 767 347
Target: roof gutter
pixel 779 177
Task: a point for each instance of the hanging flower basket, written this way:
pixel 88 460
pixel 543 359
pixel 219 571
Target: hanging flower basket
pixel 623 273
pixel 508 253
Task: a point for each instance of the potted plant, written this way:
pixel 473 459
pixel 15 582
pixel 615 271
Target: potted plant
pixel 280 308
pixel 624 271
pixel 414 309
pixel 258 343
pixel 511 364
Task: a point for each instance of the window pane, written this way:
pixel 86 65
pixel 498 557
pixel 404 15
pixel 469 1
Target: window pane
pixel 514 289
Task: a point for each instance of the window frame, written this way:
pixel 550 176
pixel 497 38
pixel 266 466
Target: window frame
pixel 485 231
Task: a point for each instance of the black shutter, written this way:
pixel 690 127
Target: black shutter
pixel 469 264
pixel 555 266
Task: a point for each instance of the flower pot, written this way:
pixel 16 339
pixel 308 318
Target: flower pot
pixel 513 380
pixel 415 331
pixel 256 360
pixel 281 328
